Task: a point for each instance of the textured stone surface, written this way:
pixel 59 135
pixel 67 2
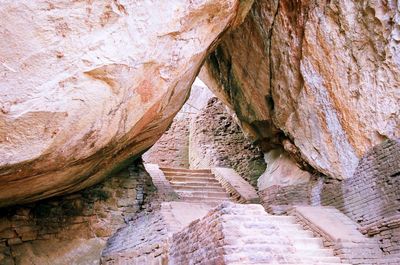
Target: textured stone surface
pixel 203 135
pixel 340 233
pixel 85 85
pixel 72 229
pixel 172 149
pixel 325 75
pixel 281 170
pixel 235 185
pixel 371 197
pixel 245 234
pixel 217 140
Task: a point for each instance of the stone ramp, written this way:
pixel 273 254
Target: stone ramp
pixel 340 233
pixel 238 234
pixel 196 185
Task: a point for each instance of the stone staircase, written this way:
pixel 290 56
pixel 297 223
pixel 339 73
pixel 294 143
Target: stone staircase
pixel 191 230
pixel 196 185
pixel 339 233
pixel 238 234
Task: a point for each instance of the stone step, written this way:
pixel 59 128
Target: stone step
pixel 210 175
pixel 266 260
pixel 265 219
pixel 202 194
pixel 191 179
pixel 297 263
pixel 289 232
pixel 263 258
pixel 295 240
pixel 267 229
pixel 184 187
pixel 279 219
pixel 195 184
pixel 283 262
pixel 244 253
pixel 169 169
pixel 204 199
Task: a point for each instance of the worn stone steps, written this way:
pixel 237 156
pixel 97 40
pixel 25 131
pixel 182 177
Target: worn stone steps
pixel 183 179
pixel 340 232
pixel 204 199
pixel 184 174
pixel 204 194
pixel 297 263
pixel 196 186
pixel 296 241
pixel 287 258
pixel 183 187
pixel 249 234
pixel 167 169
pixel 246 234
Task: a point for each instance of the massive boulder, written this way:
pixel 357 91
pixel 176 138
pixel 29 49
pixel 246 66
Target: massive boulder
pixel 87 85
pixel 320 78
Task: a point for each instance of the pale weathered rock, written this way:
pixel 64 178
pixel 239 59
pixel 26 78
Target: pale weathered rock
pixel 325 75
pixel 281 170
pixel 86 85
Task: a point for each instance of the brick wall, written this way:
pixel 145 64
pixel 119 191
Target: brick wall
pixel 200 243
pixel 172 149
pixel 31 232
pixel 217 140
pixel 275 198
pixel 370 198
pixel 143 241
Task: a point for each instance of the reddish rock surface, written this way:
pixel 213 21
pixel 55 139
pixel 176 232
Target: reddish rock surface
pixel 325 75
pixel 86 85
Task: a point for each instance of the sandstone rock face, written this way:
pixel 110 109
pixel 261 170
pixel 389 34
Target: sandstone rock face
pixel 85 85
pixel 281 171
pixel 323 77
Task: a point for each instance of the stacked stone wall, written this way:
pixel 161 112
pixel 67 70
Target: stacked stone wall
pixel 370 198
pixel 375 185
pixel 217 140
pixel 143 241
pixel 95 213
pixel 275 198
pixel 172 149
